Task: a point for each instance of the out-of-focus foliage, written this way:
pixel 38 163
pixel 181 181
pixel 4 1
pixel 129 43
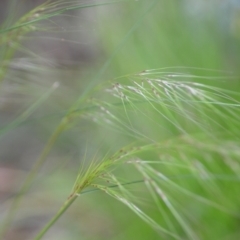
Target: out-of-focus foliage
pixel 157 101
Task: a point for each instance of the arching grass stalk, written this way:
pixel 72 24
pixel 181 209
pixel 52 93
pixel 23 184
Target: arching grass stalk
pixel 185 106
pixel 13 34
pixel 191 151
pixel 90 177
pixel 164 182
pixel 194 128
pixel 30 177
pixel 169 189
pixel 187 167
pixel 69 202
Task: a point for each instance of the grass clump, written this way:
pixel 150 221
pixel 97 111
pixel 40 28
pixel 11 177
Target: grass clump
pixel 164 141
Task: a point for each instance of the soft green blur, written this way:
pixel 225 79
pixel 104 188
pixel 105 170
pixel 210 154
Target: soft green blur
pixel 202 36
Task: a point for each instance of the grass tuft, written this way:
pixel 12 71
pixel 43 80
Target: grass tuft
pixel 167 139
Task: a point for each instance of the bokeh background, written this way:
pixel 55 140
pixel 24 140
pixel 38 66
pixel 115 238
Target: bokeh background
pixel 103 43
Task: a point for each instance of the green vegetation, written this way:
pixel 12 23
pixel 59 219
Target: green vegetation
pixel 152 125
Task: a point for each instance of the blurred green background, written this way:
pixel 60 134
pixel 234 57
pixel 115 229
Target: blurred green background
pixel 94 46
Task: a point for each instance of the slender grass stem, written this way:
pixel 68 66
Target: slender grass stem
pixel 65 206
